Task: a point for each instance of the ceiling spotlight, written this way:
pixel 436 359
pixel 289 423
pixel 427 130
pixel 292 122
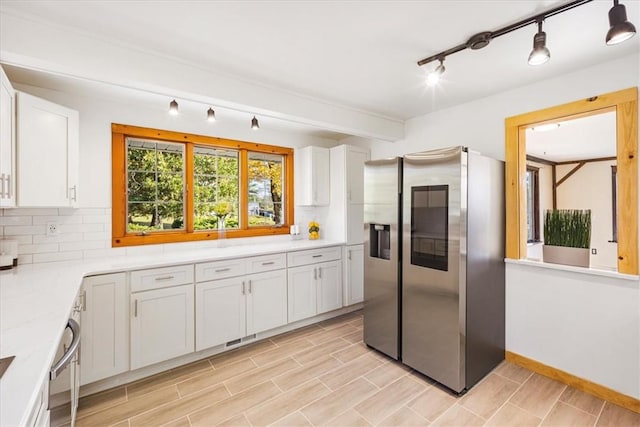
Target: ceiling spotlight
pixel 620 29
pixel 540 54
pixel 173 108
pixel 211 115
pixel 254 123
pixel 434 77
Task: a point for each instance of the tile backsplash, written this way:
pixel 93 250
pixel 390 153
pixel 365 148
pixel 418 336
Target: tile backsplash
pixel 86 233
pixel 81 233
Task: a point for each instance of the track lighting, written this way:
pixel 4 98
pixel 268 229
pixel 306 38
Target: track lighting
pixel 620 29
pixel 173 108
pixel 211 115
pixel 254 123
pixel 540 54
pixel 434 76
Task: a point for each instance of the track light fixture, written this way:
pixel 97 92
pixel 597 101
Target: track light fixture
pixel 434 76
pixel 620 28
pixel 540 54
pixel 254 123
pixel 173 108
pixel 211 115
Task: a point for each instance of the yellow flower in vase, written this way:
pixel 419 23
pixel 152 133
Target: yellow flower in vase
pixel 314 230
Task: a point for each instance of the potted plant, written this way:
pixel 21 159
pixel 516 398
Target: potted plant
pixel 567 237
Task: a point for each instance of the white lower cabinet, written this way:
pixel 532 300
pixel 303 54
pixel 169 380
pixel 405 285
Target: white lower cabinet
pixel 220 312
pixel 162 324
pixel 230 309
pixel 105 327
pixel 314 289
pixel 266 301
pixel 354 274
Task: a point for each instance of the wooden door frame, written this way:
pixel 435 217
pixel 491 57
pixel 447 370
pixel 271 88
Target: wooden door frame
pixel 625 104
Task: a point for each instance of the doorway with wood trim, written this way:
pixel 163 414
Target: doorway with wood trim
pixel 523 172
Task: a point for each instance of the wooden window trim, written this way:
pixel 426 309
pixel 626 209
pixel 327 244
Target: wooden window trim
pixel 625 104
pixel 120 237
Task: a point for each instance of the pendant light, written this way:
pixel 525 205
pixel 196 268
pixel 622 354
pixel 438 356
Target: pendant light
pixel 254 123
pixel 211 115
pixel 434 77
pixel 540 54
pixel 620 28
pixel 173 108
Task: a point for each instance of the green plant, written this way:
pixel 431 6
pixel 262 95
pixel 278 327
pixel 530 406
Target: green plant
pixel 567 227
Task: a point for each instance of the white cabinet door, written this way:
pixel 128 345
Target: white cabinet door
pixel 162 325
pixel 220 312
pixel 355 176
pixel 266 301
pixel 354 275
pixel 312 176
pixel 7 143
pixel 329 286
pixel 105 333
pixel 302 297
pixel 47 154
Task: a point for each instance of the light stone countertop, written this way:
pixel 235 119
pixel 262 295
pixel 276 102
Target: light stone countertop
pixel 35 302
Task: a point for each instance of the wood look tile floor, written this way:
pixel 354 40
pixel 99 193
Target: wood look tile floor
pixel 323 375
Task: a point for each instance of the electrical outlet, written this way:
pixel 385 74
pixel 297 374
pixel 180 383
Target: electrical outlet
pixel 51 229
pixel 594 251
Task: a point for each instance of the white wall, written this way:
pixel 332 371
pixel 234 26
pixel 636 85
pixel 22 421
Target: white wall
pixel 86 232
pixel 583 324
pixel 590 188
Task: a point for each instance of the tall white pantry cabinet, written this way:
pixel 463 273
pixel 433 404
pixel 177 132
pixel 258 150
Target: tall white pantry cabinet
pixel 346 216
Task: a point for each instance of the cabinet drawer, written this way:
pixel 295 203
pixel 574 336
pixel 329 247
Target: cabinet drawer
pixel 259 264
pixel 156 278
pixel 220 269
pixel 313 256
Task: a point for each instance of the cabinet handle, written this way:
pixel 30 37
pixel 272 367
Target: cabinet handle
pixel 2 194
pixel 249 286
pixel 243 291
pixel 268 263
pixel 74 197
pixel 9 194
pixel 158 279
pixel 135 308
pixel 315 274
pixel 319 272
pixel 316 256
pixel 222 270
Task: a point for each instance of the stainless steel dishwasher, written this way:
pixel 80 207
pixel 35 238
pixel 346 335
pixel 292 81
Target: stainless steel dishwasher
pixel 64 376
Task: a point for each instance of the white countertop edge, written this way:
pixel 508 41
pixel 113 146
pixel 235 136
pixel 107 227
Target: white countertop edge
pixel 573 269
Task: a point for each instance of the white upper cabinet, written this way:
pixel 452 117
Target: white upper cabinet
pixel 346 216
pixel 7 143
pixel 47 153
pixel 311 169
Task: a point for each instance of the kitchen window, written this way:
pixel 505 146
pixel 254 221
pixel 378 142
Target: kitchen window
pixel 174 187
pixel 533 205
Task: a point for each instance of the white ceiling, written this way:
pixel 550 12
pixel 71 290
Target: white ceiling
pixel 591 137
pixel 357 54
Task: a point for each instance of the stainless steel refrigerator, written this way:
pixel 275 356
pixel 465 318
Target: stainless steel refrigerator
pixel 434 263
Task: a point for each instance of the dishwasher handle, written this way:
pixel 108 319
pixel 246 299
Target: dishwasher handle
pixel 71 351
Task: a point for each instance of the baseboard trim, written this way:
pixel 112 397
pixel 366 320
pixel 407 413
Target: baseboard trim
pixel 581 384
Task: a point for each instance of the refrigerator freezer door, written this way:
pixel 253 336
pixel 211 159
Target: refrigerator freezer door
pixel 433 266
pixel 381 255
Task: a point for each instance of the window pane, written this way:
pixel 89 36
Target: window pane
pixel 266 181
pixel 155 185
pixel 215 188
